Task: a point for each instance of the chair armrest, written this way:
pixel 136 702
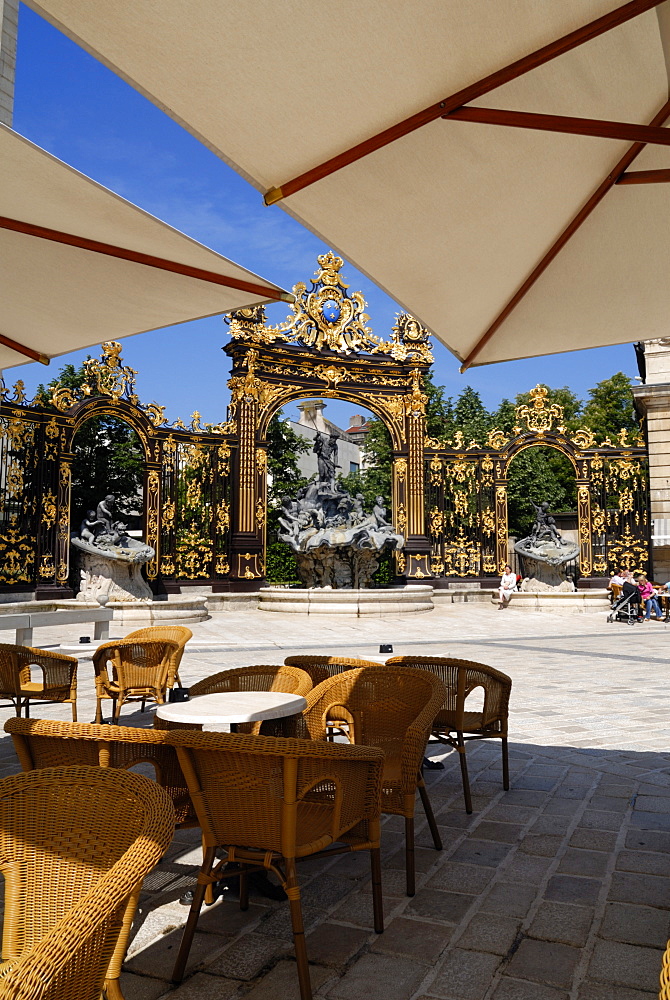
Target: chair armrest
pixel 58 670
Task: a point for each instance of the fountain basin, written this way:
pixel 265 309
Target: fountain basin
pixel 322 601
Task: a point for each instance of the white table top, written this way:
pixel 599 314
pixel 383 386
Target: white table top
pixel 233 706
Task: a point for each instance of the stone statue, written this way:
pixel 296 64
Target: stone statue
pixel 545 554
pixel 336 543
pixel 325 447
pixel 109 560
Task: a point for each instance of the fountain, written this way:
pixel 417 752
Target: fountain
pixel 545 555
pixel 338 546
pixel 110 565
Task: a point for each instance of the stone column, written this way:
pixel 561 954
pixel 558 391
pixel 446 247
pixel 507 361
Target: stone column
pixel 653 400
pixel 9 19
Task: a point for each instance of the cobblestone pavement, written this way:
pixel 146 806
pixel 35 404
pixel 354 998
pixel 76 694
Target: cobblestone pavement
pixel 558 888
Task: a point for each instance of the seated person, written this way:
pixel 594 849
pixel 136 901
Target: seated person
pixel 648 597
pixel 616 580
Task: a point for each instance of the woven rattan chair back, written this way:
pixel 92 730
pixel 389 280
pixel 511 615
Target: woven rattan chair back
pixel 320 668
pixel 268 801
pixel 139 671
pixel 42 743
pixel 57 677
pixel 61 832
pixel 263 677
pixel 454 724
pixel 391 708
pixel 173 633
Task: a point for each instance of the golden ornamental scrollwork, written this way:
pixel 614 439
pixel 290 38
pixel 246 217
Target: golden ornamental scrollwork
pixel 47 569
pixel 584 438
pixel 156 414
pixel 109 376
pixel 331 375
pixel 401 469
pixel 17 556
pixel 251 388
pixel 539 417
pixel 49 510
pixel 496 439
pixel 415 401
pixel 327 316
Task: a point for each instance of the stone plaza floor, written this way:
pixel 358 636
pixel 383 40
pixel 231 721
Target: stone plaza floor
pixel 556 889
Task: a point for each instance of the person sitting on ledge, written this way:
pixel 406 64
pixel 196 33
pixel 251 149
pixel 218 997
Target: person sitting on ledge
pixel 507 586
pixel 648 596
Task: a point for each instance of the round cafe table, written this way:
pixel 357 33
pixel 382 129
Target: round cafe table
pixel 232 707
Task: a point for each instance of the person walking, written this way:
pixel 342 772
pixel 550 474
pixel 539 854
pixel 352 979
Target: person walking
pixel 507 587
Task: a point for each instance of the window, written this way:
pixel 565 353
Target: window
pixel 353 467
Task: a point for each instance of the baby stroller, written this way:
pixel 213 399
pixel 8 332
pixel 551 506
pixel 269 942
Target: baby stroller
pixel 626 608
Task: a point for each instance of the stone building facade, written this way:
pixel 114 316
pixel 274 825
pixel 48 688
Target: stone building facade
pixel 9 22
pixel 653 399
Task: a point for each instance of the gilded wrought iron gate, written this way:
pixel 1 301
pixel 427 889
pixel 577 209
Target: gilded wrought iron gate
pixel 466 495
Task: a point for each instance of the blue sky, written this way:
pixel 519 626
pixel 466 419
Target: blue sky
pixel 79 111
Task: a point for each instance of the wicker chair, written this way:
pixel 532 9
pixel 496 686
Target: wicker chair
pixel 41 743
pixel 173 633
pixel 320 668
pixel 264 677
pixel 75 845
pixel 59 677
pixel 453 724
pixel 269 801
pixel 140 671
pixel 391 708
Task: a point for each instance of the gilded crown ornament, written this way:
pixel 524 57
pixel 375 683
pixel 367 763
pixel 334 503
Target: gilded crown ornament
pixel 327 317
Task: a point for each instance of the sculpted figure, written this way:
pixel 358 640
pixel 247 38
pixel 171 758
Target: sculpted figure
pixel 105 512
pixel 90 527
pixel 325 448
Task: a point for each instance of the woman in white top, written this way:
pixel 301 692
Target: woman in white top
pixel 507 585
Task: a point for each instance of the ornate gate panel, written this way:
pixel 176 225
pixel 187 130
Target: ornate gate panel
pixel 186 483
pixel 466 495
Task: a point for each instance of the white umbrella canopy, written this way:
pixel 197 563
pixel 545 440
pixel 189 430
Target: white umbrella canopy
pixel 465 155
pixel 80 265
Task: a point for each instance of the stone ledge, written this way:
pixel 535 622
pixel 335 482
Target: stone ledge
pixel 579 602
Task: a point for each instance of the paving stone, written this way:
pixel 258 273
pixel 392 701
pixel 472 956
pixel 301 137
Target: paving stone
pixel 594 840
pixel 650 820
pixel 626 965
pixel 562 807
pixel 464 975
pixel 282 981
pixel 523 797
pixel 481 852
pixel 446 907
pixel 610 803
pixel 424 859
pixel 199 987
pixel 646 862
pixel 335 944
pixel 576 862
pixel 503 813
pixel 562 922
pixel 599 819
pixel 376 978
pixel 643 925
pixel 141 987
pixel 278 923
pixel 521 989
pixel 598 991
pixel 490 932
pixel 357 909
pixel 648 890
pixel 544 962
pixel 527 869
pixel 545 845
pixel 158 958
pixel 456 818
pixel 535 782
pixel 510 899
pixel 648 840
pixel 652 804
pixel 505 833
pixel 461 878
pixel 572 889
pixel 553 825
pixel 415 939
pixel 246 958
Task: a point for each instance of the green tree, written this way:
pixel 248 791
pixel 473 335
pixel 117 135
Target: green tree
pixel 108 455
pixel 535 475
pixel 471 416
pixel 610 408
pixel 284 477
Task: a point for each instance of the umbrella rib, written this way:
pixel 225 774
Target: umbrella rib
pixel 27 352
pixel 645 177
pixel 569 231
pixel 563 124
pixel 491 82
pixel 136 257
